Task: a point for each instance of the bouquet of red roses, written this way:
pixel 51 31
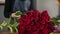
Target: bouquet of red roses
pixel 34 22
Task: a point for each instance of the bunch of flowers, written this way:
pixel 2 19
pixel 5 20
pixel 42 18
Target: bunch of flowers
pixel 34 22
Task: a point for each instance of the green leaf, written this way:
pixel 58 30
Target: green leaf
pixel 11 29
pixel 1 27
pixel 4 23
pixel 18 13
pixel 16 29
pixel 55 20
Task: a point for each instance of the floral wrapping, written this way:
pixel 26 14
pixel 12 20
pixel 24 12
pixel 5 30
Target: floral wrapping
pixel 34 22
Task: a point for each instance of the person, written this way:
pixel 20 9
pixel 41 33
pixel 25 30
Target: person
pixel 11 6
pixel 8 8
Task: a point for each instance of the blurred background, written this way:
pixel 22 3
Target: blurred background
pixel 50 5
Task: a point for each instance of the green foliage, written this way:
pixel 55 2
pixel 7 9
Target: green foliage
pixel 18 13
pixel 11 27
pixel 55 20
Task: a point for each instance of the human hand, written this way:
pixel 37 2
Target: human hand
pixel 13 15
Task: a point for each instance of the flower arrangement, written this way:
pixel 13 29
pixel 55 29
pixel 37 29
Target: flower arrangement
pixel 34 22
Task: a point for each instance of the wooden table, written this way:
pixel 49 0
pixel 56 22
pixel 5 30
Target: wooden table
pixel 7 32
pixel 54 33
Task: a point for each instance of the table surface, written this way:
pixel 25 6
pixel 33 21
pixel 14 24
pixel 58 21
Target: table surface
pixel 8 32
pixel 54 33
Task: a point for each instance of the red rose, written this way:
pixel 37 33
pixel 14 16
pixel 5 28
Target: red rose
pixel 36 18
pixel 45 13
pixel 21 29
pixel 34 22
pixel 23 17
pixel 35 33
pixel 20 22
pixel 46 31
pixel 26 21
pixel 34 28
pixel 45 16
pixel 43 22
pixel 48 18
pixel 37 25
pixel 29 13
pixel 28 28
pixel 41 26
pixel 35 13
